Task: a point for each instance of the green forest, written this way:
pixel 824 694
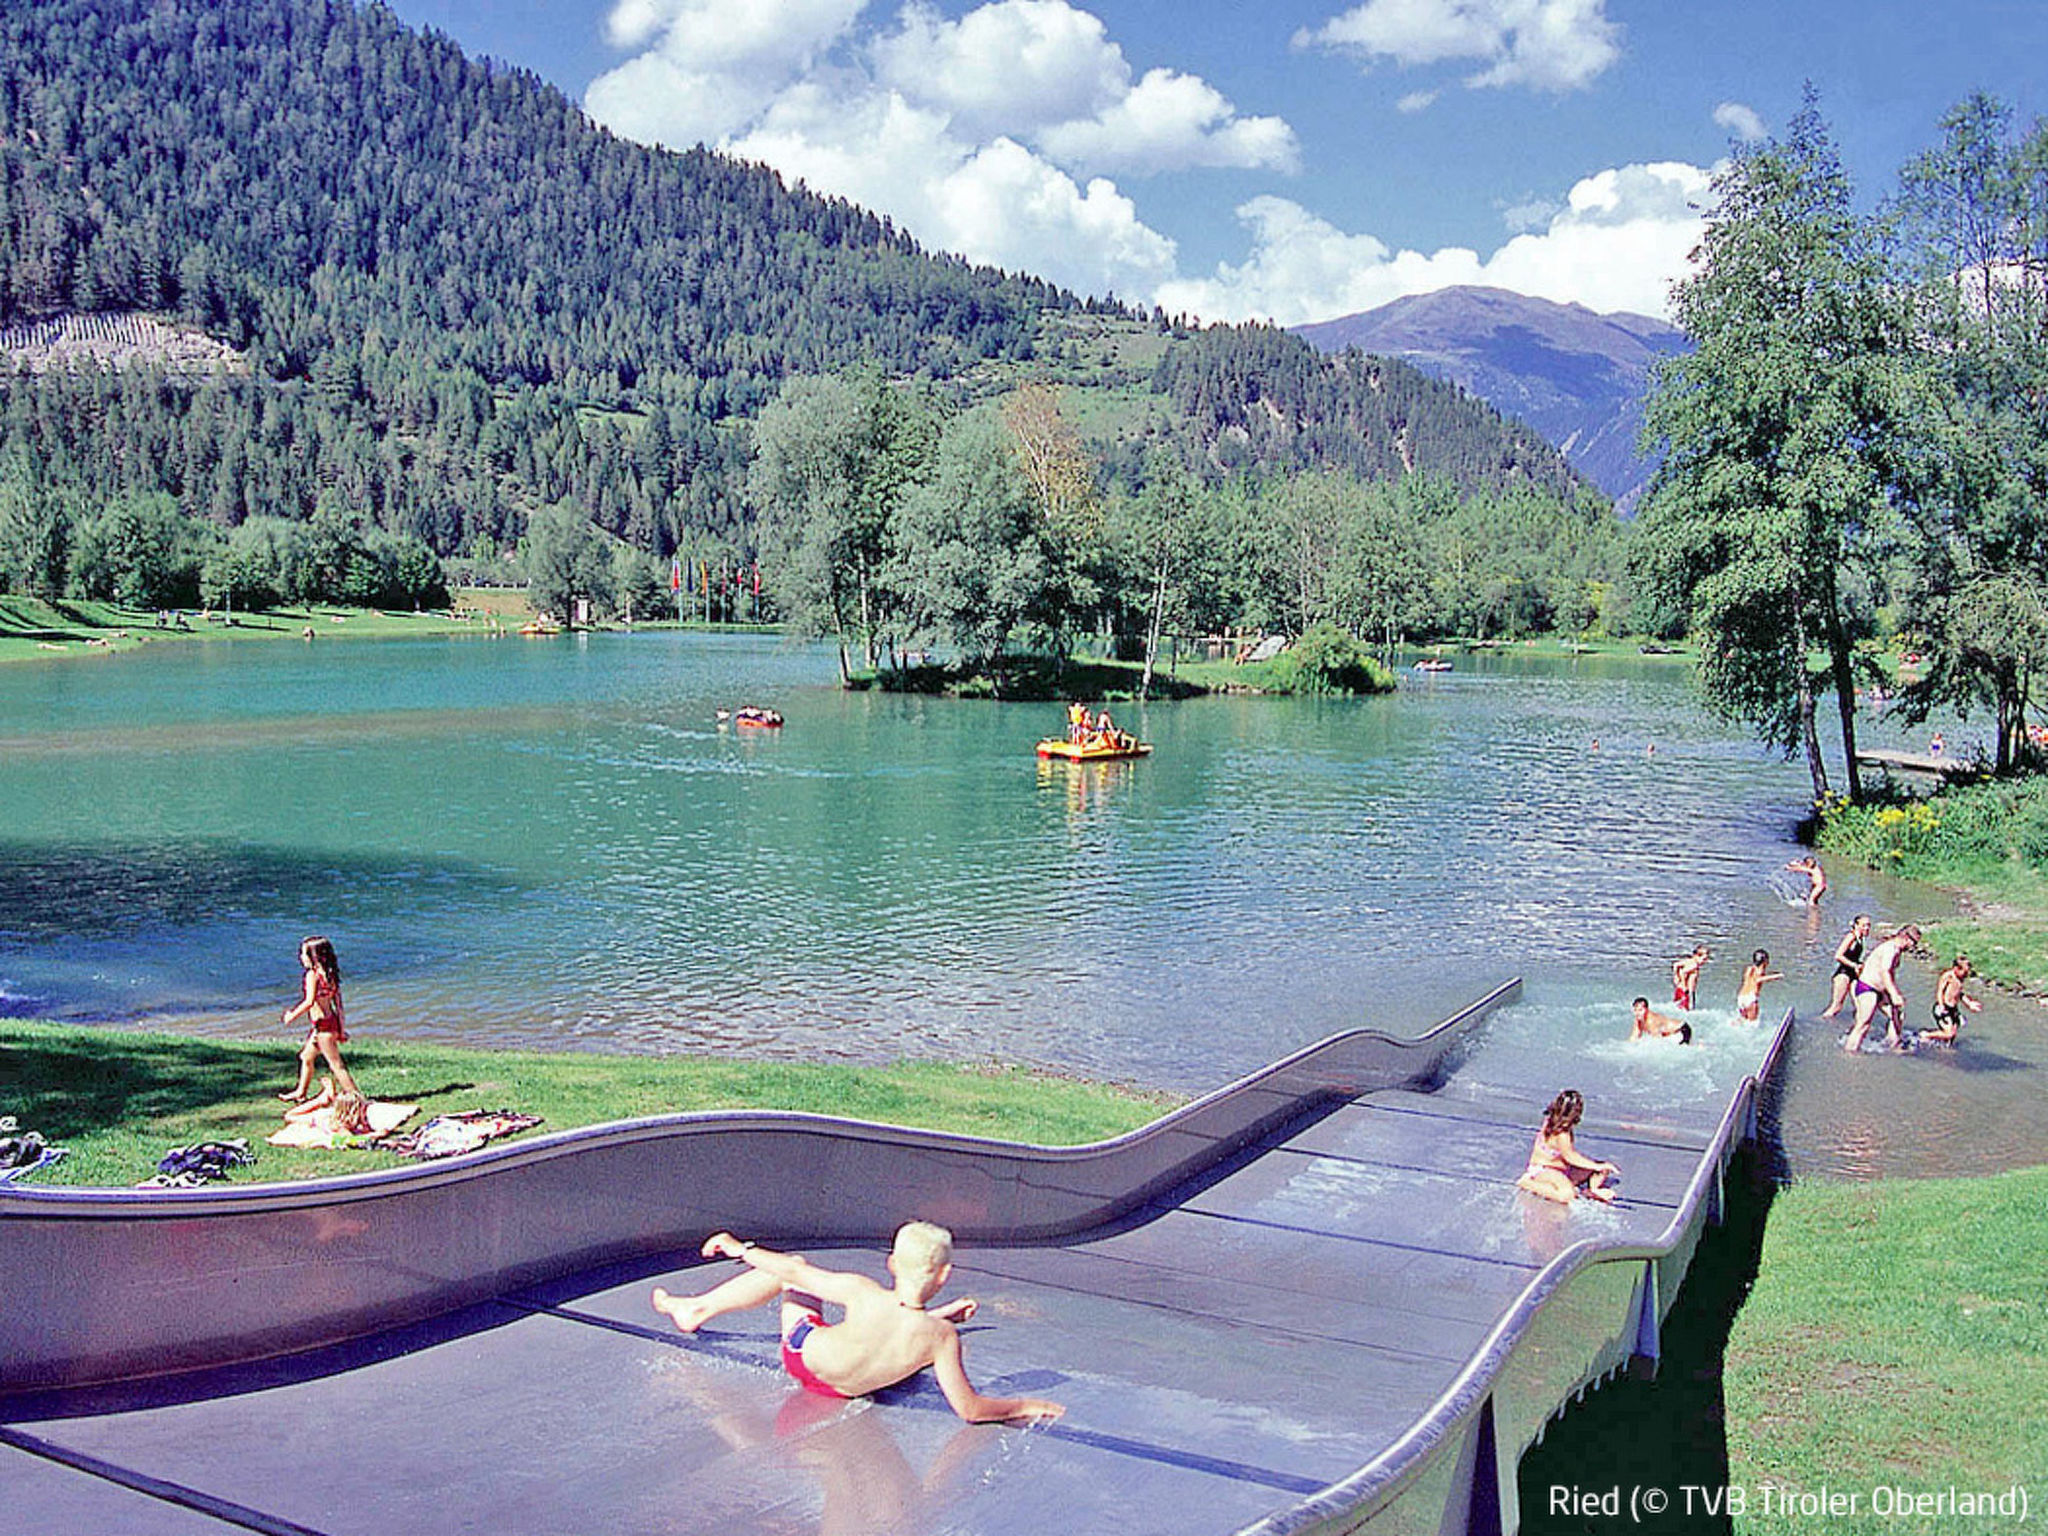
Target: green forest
pixel 460 310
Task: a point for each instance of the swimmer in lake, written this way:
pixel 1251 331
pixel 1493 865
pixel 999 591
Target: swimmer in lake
pixel 1848 961
pixel 1685 976
pixel 1652 1025
pixel 1877 983
pixel 1749 1000
pixel 1949 1001
pixel 1557 1169
pixel 1816 878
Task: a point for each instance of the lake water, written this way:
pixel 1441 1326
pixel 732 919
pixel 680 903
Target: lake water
pixel 554 844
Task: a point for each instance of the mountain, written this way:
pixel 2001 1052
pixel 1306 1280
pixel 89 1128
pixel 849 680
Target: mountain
pixel 1578 378
pixel 450 299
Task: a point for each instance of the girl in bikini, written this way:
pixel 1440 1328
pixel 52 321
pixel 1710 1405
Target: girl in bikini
pixel 1749 1001
pixel 1557 1169
pixel 322 1007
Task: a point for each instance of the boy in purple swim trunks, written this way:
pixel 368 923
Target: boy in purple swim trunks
pixel 1877 986
pixel 886 1335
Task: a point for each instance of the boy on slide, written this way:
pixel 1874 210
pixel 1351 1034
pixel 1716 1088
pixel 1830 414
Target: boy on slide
pixel 886 1335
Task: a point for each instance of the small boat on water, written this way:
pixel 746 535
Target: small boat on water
pixel 752 717
pixel 1095 751
pixel 1432 664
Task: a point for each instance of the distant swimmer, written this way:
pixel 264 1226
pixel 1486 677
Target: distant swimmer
pixel 1877 983
pixel 1652 1025
pixel 1557 1169
pixel 1848 961
pixel 1685 976
pixel 1816 878
pixel 1949 1001
pixel 1749 1000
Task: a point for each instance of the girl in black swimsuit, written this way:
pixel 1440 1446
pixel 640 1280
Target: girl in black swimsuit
pixel 1848 963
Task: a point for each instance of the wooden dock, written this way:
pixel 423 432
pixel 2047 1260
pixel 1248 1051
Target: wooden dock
pixel 1921 762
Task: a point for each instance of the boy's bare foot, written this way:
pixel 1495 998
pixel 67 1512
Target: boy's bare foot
pixel 686 1312
pixel 957 1311
pixel 294 1098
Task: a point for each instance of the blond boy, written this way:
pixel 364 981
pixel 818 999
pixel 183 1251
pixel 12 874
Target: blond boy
pixel 886 1335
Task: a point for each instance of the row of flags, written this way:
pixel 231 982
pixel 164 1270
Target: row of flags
pixel 733 576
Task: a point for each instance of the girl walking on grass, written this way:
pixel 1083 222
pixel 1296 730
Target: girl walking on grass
pixel 322 1007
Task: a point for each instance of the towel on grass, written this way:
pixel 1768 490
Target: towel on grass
pixel 319 1130
pixel 465 1131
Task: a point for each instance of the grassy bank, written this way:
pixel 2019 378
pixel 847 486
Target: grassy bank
pixel 1986 842
pixel 1837 1338
pixel 34 630
pixel 1897 1338
pixel 119 1100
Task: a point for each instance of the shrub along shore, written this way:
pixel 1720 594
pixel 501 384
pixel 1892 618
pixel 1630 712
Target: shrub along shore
pixel 1988 843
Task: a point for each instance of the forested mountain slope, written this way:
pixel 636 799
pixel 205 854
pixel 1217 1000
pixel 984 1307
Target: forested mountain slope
pixel 1577 377
pixel 459 300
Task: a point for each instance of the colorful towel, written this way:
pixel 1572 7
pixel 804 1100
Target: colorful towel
pixel 452 1135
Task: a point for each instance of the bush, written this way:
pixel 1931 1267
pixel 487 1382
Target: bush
pixel 1960 829
pixel 1327 660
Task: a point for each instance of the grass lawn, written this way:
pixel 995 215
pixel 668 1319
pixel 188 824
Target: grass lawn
pixel 1897 1338
pixel 119 1100
pixel 1885 1341
pixel 34 630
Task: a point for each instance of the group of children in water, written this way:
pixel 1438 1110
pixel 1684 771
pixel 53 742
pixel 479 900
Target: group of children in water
pixel 1865 980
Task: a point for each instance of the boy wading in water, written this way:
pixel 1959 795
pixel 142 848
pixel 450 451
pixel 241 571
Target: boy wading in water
pixel 886 1335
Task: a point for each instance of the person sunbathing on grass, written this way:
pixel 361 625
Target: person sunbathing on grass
pixel 886 1336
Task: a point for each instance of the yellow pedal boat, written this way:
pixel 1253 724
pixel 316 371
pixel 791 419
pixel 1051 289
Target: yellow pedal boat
pixel 1094 752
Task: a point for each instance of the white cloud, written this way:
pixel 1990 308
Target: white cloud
pixel 1741 122
pixel 1416 101
pixel 1170 121
pixel 989 135
pixel 1551 45
pixel 1619 242
pixel 709 68
pixel 1013 66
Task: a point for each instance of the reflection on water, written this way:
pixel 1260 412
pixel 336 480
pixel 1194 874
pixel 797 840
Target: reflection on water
pixel 556 844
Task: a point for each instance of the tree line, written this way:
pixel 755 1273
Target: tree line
pixel 1858 448
pixel 892 524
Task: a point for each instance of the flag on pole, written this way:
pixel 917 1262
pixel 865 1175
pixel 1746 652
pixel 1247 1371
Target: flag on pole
pixel 675 573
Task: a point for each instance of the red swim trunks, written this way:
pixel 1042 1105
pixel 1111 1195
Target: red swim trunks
pixel 1682 997
pixel 793 1357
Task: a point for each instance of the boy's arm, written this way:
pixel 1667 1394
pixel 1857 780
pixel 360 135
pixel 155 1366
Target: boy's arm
pixel 951 1370
pixel 792 1269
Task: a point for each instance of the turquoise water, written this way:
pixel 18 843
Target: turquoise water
pixel 554 843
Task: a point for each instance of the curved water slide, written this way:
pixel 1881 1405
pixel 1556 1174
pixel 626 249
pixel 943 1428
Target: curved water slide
pixel 1309 1301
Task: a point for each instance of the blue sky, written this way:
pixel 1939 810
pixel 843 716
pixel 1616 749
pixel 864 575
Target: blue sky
pixel 1296 160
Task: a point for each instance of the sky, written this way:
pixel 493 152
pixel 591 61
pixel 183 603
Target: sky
pixel 1295 160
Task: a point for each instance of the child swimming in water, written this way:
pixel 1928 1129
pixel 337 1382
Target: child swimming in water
pixel 1949 1001
pixel 1749 1001
pixel 1649 1024
pixel 1685 976
pixel 1557 1169
pixel 886 1335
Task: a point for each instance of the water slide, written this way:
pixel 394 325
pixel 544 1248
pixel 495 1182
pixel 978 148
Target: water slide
pixel 1310 1302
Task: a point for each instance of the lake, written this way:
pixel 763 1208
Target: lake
pixel 554 843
